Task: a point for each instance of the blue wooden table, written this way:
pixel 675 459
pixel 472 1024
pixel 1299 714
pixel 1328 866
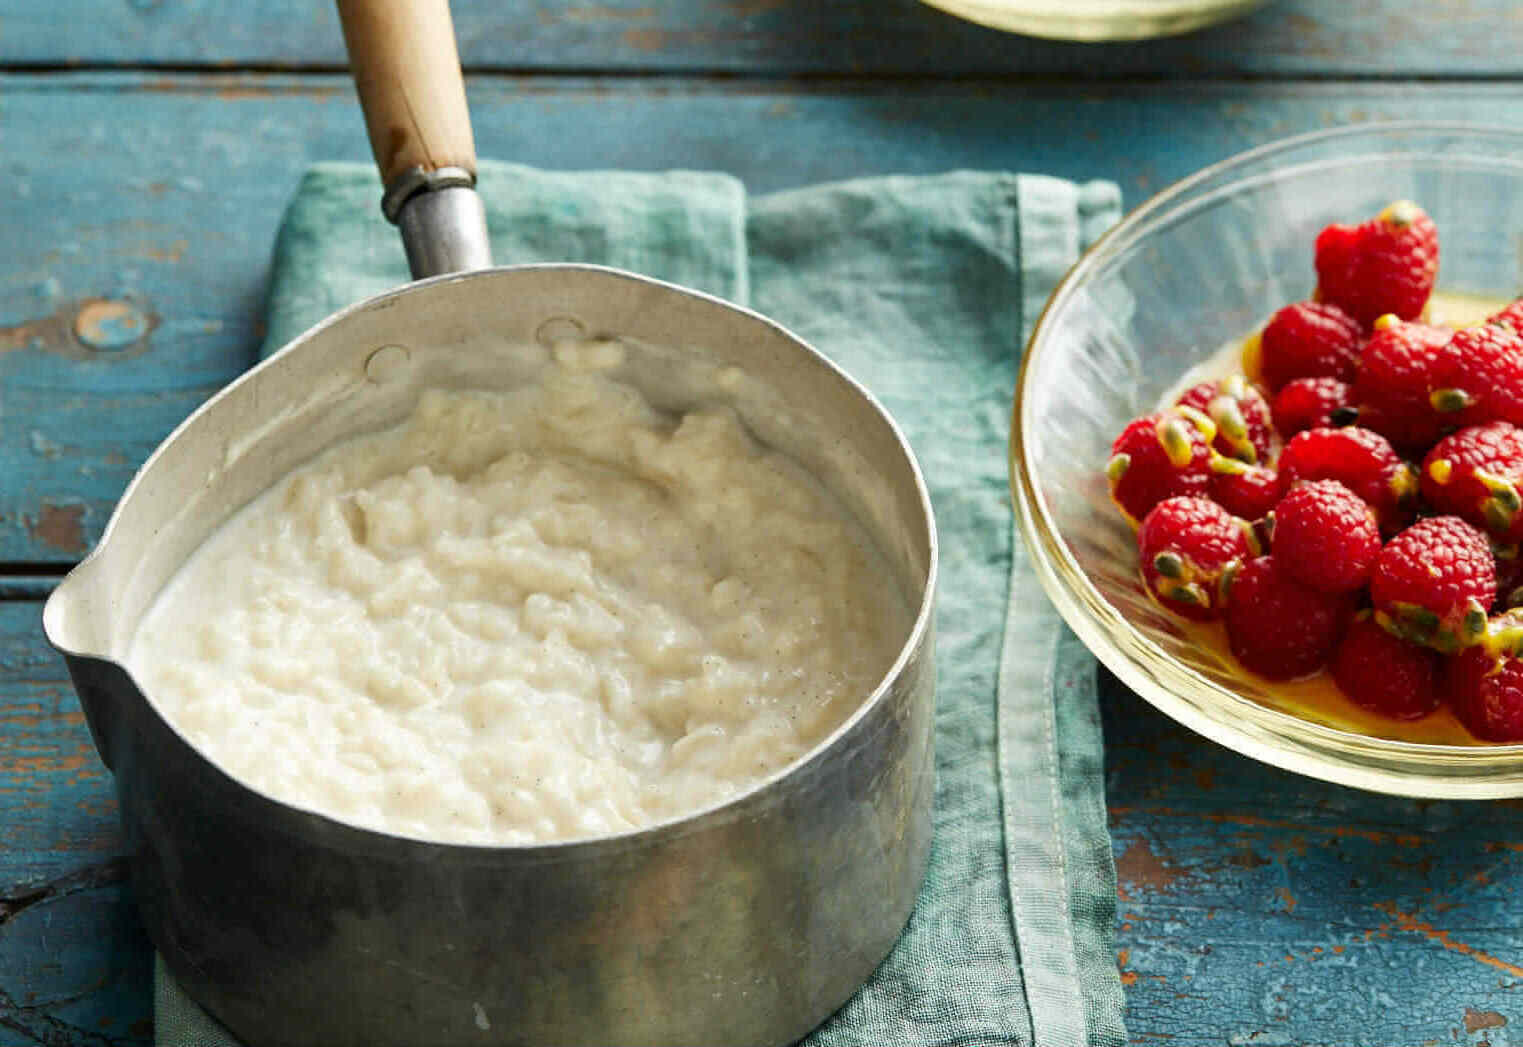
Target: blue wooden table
pixel 148 146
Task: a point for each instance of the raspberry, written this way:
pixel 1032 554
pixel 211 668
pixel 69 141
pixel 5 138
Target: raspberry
pixel 1434 582
pixel 1484 683
pixel 1159 456
pixel 1249 492
pixel 1244 428
pixel 1511 316
pixel 1385 265
pixel 1477 475
pixel 1395 373
pixel 1360 460
pixel 1386 673
pixel 1185 545
pixel 1325 537
pixel 1277 627
pixel 1313 403
pixel 1478 377
pixel 1309 340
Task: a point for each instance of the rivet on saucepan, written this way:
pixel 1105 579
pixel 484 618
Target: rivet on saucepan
pixel 559 329
pixel 109 326
pixel 387 364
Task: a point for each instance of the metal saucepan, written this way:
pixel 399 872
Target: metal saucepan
pixel 745 923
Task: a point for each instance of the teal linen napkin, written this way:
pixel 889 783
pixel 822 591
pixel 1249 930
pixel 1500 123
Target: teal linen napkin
pixel 925 289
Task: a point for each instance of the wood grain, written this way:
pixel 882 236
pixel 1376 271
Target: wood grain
pixel 74 965
pixel 145 207
pixel 407 74
pixel 1256 907
pixel 1458 38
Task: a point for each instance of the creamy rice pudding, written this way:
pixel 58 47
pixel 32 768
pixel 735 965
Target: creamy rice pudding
pixel 544 614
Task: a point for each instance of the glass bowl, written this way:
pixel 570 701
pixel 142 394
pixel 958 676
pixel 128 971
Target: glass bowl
pixel 1198 266
pixel 1096 20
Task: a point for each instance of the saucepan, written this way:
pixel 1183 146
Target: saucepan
pixel 746 922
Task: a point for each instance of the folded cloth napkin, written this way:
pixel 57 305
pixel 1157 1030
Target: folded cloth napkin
pixel 925 289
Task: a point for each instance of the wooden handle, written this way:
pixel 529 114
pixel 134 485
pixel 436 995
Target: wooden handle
pixel 407 72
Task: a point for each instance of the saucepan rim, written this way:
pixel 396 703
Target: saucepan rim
pixel 676 826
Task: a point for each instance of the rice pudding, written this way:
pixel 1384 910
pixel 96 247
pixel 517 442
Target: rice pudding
pixel 527 616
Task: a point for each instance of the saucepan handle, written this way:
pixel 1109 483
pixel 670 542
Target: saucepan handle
pixel 407 72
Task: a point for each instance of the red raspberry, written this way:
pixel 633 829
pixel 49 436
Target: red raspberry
pixel 1395 375
pixel 1244 429
pixel 1159 456
pixel 1313 403
pixel 1325 537
pixel 1360 460
pixel 1309 340
pixel 1249 493
pixel 1386 673
pixel 1434 582
pixel 1484 684
pixel 1386 265
pixel 1277 627
pixel 1477 475
pixel 1478 377
pixel 1185 544
pixel 1511 316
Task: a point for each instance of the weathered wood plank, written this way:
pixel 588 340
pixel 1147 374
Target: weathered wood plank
pixel 27 586
pixel 54 792
pixel 145 204
pixel 75 967
pixel 1261 907
pixel 1463 38
pixel 73 961
pixel 1257 907
pixel 1205 841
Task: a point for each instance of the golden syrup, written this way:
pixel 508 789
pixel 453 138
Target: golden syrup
pixel 1317 698
pixel 1460 310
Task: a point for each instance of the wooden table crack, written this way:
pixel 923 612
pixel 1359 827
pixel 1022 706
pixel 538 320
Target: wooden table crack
pixel 149 156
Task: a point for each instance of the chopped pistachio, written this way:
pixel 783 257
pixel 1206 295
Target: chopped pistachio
pixel 1176 442
pixel 1170 565
pixel 1116 468
pixel 1448 401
